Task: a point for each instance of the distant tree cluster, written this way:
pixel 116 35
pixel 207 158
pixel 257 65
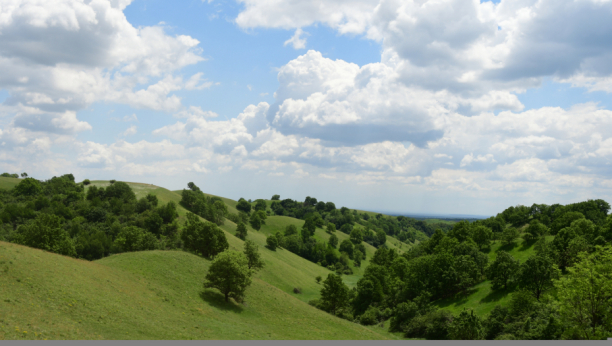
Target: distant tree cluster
pixel 212 209
pixel 60 216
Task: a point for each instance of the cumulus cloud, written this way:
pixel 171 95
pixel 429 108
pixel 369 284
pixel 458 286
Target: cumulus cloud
pixel 60 56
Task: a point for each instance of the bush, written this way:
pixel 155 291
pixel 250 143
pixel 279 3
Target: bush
pixel 297 290
pixel 370 317
pixel 272 242
pixel 86 182
pixel 432 326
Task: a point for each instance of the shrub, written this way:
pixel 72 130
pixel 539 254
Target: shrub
pixel 86 182
pixel 297 290
pixel 272 242
pixel 318 279
pixel 370 317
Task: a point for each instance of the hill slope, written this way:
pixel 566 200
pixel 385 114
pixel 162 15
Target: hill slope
pixel 146 295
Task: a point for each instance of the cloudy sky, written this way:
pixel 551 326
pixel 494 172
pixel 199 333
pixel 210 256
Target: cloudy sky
pixel 440 106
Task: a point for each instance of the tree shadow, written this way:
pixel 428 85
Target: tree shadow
pixel 217 300
pixel 508 247
pixel 527 244
pixel 458 299
pixel 497 295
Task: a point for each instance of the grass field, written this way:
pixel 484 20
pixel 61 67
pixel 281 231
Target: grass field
pixel 147 295
pixel 8 183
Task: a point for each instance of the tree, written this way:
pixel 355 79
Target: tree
pixel 466 326
pixel 346 246
pixel 381 237
pixel 357 257
pixel 243 205
pixel 537 275
pixel 251 250
pixel 24 175
pixel 356 236
pixel 334 294
pixel 255 221
pixel 535 230
pixel 260 204
pixel 290 230
pixel 310 226
pixel 509 235
pixel 46 233
pixel 219 211
pixel 28 187
pixel 333 241
pixel 241 231
pixel 318 279
pixel 272 242
pixel 331 228
pixel 482 236
pixel 203 237
pixel 276 198
pixel 112 181
pixel 502 270
pixel 584 295
pixel 230 274
pixel 280 239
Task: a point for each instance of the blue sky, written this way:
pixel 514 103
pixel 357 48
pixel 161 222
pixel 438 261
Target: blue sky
pixel 405 106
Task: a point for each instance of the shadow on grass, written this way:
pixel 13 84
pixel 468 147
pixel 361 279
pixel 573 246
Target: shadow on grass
pixel 458 299
pixel 497 295
pixel 527 244
pixel 217 300
pixel 507 247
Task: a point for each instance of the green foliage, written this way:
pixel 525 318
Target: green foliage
pixel 45 232
pixel 565 221
pixel 204 238
pixel 370 317
pixel 243 205
pixel 333 241
pixel 466 326
pixel 86 182
pixel 331 228
pixel 356 236
pixel 290 230
pixel 347 247
pixel 134 238
pixel 537 275
pixel 255 262
pixel 28 187
pixel 272 242
pixel 482 236
pixel 535 230
pixel 241 231
pixel 230 274
pixel 585 296
pixel 510 235
pixel 260 204
pixel 503 270
pixel 334 294
pixel 433 325
pixel 276 197
pixel 255 221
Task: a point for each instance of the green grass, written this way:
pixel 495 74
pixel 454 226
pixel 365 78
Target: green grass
pixel 8 183
pixel 147 295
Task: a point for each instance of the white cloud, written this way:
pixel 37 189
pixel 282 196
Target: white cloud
pixel 132 130
pixel 296 41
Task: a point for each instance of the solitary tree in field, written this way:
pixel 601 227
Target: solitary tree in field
pixel 276 197
pixel 230 274
pixel 334 294
pixel 252 253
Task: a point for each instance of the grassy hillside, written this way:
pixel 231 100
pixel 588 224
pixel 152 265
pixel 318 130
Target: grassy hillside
pixel 8 183
pixel 481 297
pixel 146 295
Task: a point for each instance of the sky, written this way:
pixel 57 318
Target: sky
pixel 413 106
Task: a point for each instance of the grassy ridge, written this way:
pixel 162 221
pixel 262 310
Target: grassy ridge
pixel 8 183
pixel 146 295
